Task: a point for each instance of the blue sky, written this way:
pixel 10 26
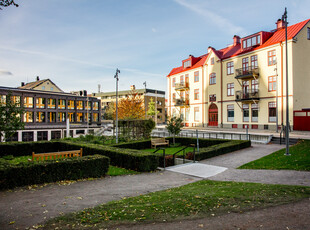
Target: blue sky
pixel 78 44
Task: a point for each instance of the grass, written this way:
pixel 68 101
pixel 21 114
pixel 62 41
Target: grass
pixel 299 159
pixel 172 149
pixel 113 171
pixel 196 200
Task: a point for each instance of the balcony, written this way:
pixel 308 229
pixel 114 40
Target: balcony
pixel 249 95
pixel 182 102
pixel 182 86
pixel 249 72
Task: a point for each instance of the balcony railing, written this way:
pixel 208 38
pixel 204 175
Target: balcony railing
pixel 247 95
pixel 182 86
pixel 182 102
pixel 247 72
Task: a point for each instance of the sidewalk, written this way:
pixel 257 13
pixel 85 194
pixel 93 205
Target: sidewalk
pixel 30 207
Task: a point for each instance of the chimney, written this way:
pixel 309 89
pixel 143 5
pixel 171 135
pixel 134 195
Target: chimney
pixel 132 87
pixel 280 24
pixel 210 49
pixel 38 78
pixel 85 93
pixel 23 84
pixel 236 40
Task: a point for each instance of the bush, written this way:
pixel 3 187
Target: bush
pixel 52 170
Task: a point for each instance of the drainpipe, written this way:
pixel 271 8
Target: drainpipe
pixel 281 83
pixel 202 96
pixel 221 95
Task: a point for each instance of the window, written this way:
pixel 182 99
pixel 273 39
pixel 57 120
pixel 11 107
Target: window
pixel 272 111
pixel 272 57
pixel 95 117
pixel 27 136
pixel 43 87
pixel 61 117
pixel 88 105
pixel 70 104
pixel 40 116
pixel 196 114
pixel 212 61
pixel 51 117
pixel 230 113
pixel 71 117
pixel 212 97
pixel 308 33
pixel 254 85
pixel 196 76
pixel 212 78
pixel 51 103
pixel 230 68
pixel 16 100
pixel 196 94
pixel 40 103
pixel 182 95
pixel 186 114
pixel 42 135
pixel 254 113
pixel 55 135
pixel 52 88
pixel 28 102
pixel 61 104
pixel 79 117
pixel 245 65
pixel 96 105
pixel 79 105
pixel 28 116
pixel 173 82
pixel 254 63
pixel 230 89
pixel 187 64
pixel 182 79
pixel 3 100
pixel 173 98
pixel 272 83
pixel 252 41
pixel 246 112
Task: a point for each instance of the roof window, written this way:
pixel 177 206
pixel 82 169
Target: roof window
pixel 251 41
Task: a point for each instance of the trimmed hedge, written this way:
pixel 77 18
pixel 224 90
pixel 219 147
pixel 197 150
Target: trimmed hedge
pixel 222 148
pixel 52 170
pixel 124 158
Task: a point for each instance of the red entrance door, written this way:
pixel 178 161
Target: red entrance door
pixel 213 115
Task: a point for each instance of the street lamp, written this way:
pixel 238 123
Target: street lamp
pixel 287 139
pixel 116 129
pixel 144 83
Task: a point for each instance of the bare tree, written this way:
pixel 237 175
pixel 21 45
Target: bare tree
pixel 6 3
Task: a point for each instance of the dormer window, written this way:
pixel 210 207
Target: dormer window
pixel 308 33
pixel 251 41
pixel 187 64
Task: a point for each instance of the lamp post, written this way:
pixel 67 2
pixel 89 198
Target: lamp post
pixel 144 83
pixel 287 139
pixel 116 115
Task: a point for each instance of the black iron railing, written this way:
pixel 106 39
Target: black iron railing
pixel 247 95
pixel 181 85
pixel 247 72
pixel 182 102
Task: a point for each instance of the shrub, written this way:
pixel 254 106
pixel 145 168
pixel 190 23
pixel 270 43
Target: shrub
pixel 52 170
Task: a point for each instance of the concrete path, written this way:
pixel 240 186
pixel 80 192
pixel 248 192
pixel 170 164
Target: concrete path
pixel 30 207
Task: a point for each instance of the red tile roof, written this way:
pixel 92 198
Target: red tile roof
pixel 231 51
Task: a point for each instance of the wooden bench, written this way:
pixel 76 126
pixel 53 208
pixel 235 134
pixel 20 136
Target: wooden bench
pixel 57 155
pixel 159 141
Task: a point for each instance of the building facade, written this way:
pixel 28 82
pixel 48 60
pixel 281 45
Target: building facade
pixel 46 113
pixel 147 95
pixel 244 84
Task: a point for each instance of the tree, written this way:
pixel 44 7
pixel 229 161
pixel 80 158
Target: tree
pixel 152 110
pixel 10 116
pixel 6 3
pixel 110 112
pixel 131 108
pixel 174 125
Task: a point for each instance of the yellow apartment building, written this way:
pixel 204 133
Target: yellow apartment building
pixel 244 84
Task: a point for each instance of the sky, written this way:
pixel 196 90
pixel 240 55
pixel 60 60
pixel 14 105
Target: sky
pixel 79 44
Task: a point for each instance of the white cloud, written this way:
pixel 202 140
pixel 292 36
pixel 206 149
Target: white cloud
pixel 219 20
pixel 154 30
pixel 5 72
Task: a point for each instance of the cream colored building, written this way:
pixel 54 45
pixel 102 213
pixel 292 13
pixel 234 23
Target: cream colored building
pixel 244 84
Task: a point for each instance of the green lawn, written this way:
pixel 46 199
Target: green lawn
pixel 196 200
pixel 172 149
pixel 299 159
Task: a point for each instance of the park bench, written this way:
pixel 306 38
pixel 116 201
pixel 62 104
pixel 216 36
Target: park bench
pixel 159 141
pixel 57 155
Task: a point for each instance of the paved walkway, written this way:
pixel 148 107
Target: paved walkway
pixel 30 207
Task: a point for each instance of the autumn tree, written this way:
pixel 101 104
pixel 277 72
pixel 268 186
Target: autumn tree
pixel 10 116
pixel 110 112
pixel 6 3
pixel 152 109
pixel 131 107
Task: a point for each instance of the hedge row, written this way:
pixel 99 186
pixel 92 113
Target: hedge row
pixel 222 148
pixel 51 170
